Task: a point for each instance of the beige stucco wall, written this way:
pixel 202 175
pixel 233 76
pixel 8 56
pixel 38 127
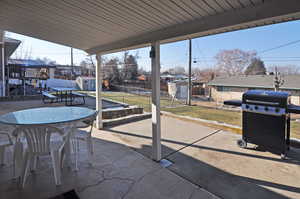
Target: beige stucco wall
pixel 237 93
pixel 220 96
pixel 295 97
pixel 51 73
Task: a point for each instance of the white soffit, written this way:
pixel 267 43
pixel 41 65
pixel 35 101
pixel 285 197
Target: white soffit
pixel 113 25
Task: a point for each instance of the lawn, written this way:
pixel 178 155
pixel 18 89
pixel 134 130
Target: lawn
pixel 225 116
pixel 141 101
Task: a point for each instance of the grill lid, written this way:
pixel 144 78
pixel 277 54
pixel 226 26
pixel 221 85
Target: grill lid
pixel 264 97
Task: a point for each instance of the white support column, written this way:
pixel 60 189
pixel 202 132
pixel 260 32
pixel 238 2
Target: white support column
pixel 156 128
pixel 99 123
pixel 2 62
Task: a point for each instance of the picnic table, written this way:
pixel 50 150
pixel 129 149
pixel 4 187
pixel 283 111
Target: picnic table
pixel 64 94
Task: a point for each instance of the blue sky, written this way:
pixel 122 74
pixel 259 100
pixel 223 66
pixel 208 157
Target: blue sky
pixel 204 48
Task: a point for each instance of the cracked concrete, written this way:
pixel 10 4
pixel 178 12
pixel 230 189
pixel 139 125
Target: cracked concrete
pixel 118 172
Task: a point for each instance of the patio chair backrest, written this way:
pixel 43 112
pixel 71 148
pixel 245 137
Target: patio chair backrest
pixel 89 121
pixel 38 137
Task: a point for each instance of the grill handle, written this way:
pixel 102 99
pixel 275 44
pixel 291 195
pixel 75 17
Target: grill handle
pixel 262 102
pixel 233 102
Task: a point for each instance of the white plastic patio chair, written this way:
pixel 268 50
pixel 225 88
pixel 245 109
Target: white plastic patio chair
pixel 42 141
pixel 86 136
pixel 5 142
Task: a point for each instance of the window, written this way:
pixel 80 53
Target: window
pixel 220 88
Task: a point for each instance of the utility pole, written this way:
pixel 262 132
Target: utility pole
pixel 72 65
pixel 190 74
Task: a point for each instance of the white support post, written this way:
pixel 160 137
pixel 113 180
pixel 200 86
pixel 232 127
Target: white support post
pixel 156 127
pixel 99 123
pixel 2 63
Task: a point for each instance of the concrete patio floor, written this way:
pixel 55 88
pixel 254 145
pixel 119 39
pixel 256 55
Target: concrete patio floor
pixel 211 159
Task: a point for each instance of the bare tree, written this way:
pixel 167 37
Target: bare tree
pixel 23 52
pixel 46 61
pixel 285 69
pixel 130 67
pixel 206 74
pixel 88 66
pixel 233 62
pixel 278 80
pixel 177 70
pixel 111 70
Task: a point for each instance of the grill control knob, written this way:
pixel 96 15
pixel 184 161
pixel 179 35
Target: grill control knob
pixel 266 108
pixel 277 110
pixel 255 107
pixel 247 106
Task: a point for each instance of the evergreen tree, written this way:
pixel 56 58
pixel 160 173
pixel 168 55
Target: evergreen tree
pixel 256 67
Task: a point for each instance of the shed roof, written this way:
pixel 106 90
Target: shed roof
pixel 256 81
pixel 113 25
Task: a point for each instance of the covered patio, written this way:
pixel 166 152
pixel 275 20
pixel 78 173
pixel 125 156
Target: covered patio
pixel 102 27
pixel 205 163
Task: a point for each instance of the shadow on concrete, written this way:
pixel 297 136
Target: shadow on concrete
pixel 292 156
pixel 221 183
pixel 217 181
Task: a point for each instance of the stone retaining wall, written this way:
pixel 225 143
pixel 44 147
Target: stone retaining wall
pixel 117 113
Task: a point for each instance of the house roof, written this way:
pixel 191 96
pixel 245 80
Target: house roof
pixel 30 63
pixel 103 26
pixel 10 46
pixel 256 81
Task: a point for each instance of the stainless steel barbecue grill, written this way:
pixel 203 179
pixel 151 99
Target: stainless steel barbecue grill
pixel 266 119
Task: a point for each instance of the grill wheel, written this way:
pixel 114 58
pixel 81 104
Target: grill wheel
pixel 242 143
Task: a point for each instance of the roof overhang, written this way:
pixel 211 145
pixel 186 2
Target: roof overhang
pixel 10 45
pixel 254 16
pixel 109 26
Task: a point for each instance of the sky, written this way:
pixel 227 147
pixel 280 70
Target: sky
pixel 204 49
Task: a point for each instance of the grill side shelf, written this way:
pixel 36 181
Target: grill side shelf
pixel 293 109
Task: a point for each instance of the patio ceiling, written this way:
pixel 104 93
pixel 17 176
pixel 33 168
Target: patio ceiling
pixel 113 25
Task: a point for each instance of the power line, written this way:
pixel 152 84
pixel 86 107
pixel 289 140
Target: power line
pixel 280 46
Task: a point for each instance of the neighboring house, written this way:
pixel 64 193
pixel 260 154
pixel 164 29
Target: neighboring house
pixel 67 71
pixel 30 69
pixel 10 45
pixel 226 88
pixel 25 75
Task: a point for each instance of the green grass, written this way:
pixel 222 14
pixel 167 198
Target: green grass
pixel 229 117
pixel 295 129
pixel 225 116
pixel 132 99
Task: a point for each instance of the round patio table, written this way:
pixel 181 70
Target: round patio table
pixel 43 116
pixel 46 116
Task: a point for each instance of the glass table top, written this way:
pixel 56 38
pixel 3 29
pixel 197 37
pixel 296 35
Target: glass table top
pixel 61 89
pixel 46 115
